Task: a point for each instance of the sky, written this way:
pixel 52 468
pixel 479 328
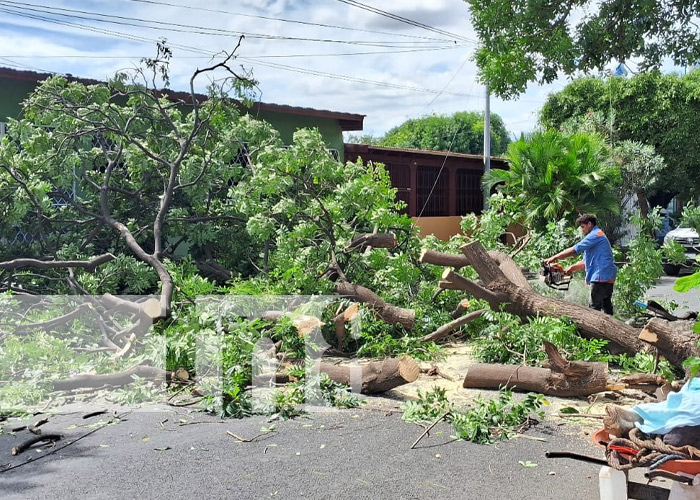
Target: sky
pixel 338 55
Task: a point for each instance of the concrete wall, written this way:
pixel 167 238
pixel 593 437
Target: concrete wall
pixel 442 227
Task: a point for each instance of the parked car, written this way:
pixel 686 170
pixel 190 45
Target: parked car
pixel 690 240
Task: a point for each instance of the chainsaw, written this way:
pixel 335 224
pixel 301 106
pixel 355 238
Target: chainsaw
pixel 555 277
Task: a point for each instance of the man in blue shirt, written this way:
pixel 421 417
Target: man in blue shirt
pixel 597 261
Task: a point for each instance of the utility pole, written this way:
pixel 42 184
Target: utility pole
pixel 487 143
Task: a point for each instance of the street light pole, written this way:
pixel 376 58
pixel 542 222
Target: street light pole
pixel 487 143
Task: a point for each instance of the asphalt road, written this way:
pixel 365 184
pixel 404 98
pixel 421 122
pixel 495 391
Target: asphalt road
pixel 362 454
pixel 687 301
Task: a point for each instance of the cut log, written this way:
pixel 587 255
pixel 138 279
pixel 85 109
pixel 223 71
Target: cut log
pixel 460 309
pixel 116 379
pixel 376 376
pixel 675 340
pixel 150 308
pixel 443 259
pixel 448 328
pixel 375 240
pixel 387 312
pixel 564 378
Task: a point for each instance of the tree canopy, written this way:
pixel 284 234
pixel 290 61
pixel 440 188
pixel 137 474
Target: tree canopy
pixel 462 132
pixel 524 41
pixel 654 109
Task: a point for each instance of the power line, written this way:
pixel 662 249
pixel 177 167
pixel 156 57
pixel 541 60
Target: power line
pixel 265 56
pixel 283 20
pixel 351 78
pixel 185 28
pixel 405 20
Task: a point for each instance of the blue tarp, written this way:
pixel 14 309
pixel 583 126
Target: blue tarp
pixel 680 409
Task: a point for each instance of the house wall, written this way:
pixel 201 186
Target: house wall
pixel 442 228
pixel 431 183
pixel 12 94
pixel 287 124
pixel 14 91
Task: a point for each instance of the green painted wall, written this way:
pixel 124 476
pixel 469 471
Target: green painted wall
pixel 287 124
pixel 13 92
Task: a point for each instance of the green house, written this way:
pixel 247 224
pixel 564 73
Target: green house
pixel 16 85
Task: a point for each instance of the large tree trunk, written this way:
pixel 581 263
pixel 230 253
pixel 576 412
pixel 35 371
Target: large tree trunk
pixel 503 285
pixel 377 376
pixel 564 379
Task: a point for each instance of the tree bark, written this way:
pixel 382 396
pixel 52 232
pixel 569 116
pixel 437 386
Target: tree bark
pixel 564 379
pixel 503 285
pixel 448 328
pixel 116 379
pixel 348 315
pixel 88 265
pixel 375 240
pixel 376 376
pixel 674 339
pixel 387 312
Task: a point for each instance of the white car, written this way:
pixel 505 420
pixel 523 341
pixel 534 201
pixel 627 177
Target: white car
pixel 691 242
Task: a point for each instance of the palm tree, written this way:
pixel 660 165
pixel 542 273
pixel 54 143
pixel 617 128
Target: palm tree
pixel 556 176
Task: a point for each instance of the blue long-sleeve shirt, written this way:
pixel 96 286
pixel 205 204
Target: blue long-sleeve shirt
pixel 598 256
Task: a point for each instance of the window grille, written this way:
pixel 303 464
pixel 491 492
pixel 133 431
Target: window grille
pixel 470 197
pixel 432 192
pixel 400 176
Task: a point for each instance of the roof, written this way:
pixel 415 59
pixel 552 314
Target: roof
pixel 347 121
pixel 366 148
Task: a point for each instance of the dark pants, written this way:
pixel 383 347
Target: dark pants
pixel 601 297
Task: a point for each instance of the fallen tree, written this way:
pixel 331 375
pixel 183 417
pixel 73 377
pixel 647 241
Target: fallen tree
pixel 503 285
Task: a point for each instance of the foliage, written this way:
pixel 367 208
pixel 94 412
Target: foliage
pixel 118 167
pixel 362 139
pixel 523 41
pixel 462 132
pixel 484 421
pixel 652 109
pixel 554 176
pixel 641 168
pixel 644 362
pixel 674 252
pixel 510 341
pixel 642 269
pixel 311 206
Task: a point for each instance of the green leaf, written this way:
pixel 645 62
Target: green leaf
pixel 569 410
pixel 527 464
pixel 687 282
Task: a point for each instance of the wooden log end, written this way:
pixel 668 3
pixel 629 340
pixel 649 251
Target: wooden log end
pixel 351 312
pixel 422 255
pixel 151 308
pixel 409 369
pixel 648 336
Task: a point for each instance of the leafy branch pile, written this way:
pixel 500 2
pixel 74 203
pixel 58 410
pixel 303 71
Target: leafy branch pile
pixel 484 421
